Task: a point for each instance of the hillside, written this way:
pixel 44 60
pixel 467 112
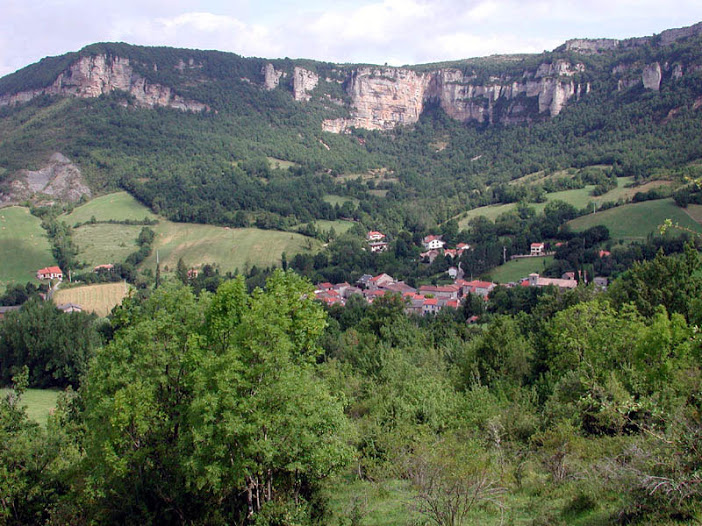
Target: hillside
pixel 192 133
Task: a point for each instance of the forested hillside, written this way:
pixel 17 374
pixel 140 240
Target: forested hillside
pixel 214 165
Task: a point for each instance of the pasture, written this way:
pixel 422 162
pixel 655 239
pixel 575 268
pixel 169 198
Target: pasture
pixel 118 206
pixel 100 298
pixel 38 403
pixel 633 222
pixel 333 199
pixel 514 270
pixel 229 248
pixel 339 225
pixel 24 247
pixel 105 242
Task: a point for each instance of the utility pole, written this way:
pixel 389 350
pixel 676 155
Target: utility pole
pixel 504 254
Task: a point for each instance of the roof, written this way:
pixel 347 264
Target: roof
pixel 380 276
pixel 479 284
pixel 50 270
pixel 604 253
pixel 443 288
pixel 431 301
pixel 535 245
pixel 375 233
pixel 430 238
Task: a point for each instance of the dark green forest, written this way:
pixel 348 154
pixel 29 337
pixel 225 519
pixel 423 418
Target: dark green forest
pixel 262 407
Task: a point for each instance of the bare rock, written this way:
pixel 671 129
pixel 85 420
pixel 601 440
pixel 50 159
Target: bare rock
pixel 304 81
pixel 271 77
pixel 651 76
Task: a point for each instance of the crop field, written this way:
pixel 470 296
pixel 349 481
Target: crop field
pixel 105 242
pixel 514 270
pixel 637 220
pixel 229 248
pixel 24 247
pixel 119 206
pixel 99 298
pixel 38 403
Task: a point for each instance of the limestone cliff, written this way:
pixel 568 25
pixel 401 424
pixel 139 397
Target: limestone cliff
pixel 59 179
pixel 383 98
pixel 304 81
pixel 271 77
pixel 96 75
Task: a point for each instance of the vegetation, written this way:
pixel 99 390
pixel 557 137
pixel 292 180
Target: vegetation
pixel 24 247
pixel 99 299
pixel 514 270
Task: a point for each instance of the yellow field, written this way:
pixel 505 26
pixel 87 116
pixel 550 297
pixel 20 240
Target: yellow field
pixel 100 298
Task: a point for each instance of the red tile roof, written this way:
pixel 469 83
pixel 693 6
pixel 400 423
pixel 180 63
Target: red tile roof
pixel 50 270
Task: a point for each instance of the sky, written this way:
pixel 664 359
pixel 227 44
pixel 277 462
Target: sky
pixel 396 32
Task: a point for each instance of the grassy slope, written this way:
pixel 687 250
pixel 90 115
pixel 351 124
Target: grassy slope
pixel 100 298
pixel 339 225
pixel 230 248
pixel 518 268
pixel 579 198
pixel 636 221
pixel 334 199
pixel 38 403
pixel 24 247
pixel 119 206
pixel 105 243
pixel 197 244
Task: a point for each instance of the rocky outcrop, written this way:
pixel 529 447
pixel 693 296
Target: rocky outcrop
pixel 97 75
pixel 652 76
pixel 271 77
pixel 304 81
pixel 383 98
pixel 59 179
pixel 591 45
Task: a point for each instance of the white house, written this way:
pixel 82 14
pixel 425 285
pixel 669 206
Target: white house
pixel 537 249
pixel 50 273
pixel 432 243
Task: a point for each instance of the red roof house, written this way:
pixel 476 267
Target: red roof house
pixel 50 273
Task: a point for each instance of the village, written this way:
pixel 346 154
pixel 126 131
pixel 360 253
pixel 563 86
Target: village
pixel 430 299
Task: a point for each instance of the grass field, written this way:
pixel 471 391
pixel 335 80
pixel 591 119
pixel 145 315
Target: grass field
pixel 579 198
pixel 518 268
pixel 230 248
pixel 100 298
pixel 695 212
pixel 280 163
pixel 105 242
pixel 339 226
pixel 38 403
pixel 333 199
pixel 119 206
pixel 24 247
pixel 637 220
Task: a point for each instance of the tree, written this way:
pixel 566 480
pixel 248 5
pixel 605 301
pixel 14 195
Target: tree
pixel 207 409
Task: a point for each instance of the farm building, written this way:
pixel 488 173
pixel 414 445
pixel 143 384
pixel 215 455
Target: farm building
pixel 50 273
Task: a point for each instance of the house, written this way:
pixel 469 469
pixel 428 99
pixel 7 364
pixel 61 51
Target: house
pixel 70 307
pixel 108 267
pixel 451 252
pixel 378 246
pixel 363 280
pixel 431 255
pixel 50 273
pixel 537 249
pixel 462 246
pixel 452 272
pixel 536 281
pixel 372 295
pixel 568 275
pixel 448 292
pixel 350 291
pixel 433 243
pixel 5 310
pixel 430 306
pixel 374 235
pixel 604 253
pixel 193 273
pixel 399 286
pixel 379 280
pixel 480 288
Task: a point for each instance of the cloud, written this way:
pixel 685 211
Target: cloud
pixel 375 31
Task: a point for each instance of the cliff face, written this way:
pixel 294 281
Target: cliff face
pixel 98 75
pixel 382 98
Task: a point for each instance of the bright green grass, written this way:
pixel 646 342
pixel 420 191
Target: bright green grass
pixel 104 243
pixel 24 247
pixel 230 248
pixel 280 163
pixel 339 226
pixel 579 198
pixel 333 199
pixel 518 268
pixel 119 206
pixel 38 403
pixel 637 220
